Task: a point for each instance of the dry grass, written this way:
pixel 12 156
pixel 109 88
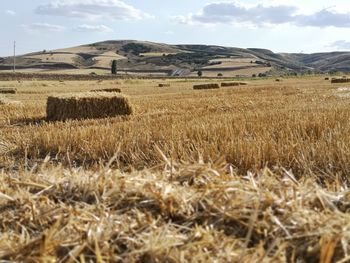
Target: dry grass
pixel 87 106
pixel 258 173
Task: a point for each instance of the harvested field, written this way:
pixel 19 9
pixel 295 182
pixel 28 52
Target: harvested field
pixel 8 91
pixel 107 90
pixel 206 86
pixel 258 173
pixel 5 101
pixel 87 106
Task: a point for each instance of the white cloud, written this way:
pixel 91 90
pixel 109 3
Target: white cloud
pixel 39 27
pixel 93 28
pixel 340 45
pixel 10 12
pixel 263 15
pixel 92 10
pixel 169 33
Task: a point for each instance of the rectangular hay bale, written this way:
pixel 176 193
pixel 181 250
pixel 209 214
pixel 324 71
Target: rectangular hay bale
pixel 206 86
pixel 229 84
pixel 162 85
pixel 90 105
pixel 107 90
pixel 343 80
pixel 8 90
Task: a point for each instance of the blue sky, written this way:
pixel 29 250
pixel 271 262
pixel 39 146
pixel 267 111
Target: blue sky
pixel 282 26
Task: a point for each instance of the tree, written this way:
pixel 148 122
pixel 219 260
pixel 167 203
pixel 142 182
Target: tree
pixel 114 67
pixel 199 73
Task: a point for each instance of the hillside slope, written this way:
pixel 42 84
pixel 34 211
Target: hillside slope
pixel 142 57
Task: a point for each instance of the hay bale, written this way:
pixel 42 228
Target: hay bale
pixel 162 85
pixel 243 83
pixel 342 80
pixel 326 78
pixel 90 105
pixel 107 90
pixel 206 86
pixel 8 90
pixel 229 84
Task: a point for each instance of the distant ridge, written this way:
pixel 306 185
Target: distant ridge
pixel 149 58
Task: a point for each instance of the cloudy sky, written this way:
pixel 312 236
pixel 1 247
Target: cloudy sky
pixel 282 26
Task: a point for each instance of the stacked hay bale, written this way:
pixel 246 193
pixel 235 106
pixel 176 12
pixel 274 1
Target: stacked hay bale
pixel 90 105
pixel 162 85
pixel 206 86
pixel 107 90
pixel 8 90
pixel 342 80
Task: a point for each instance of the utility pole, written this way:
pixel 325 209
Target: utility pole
pixel 14 56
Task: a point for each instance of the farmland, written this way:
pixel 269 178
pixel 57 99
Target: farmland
pixel 254 173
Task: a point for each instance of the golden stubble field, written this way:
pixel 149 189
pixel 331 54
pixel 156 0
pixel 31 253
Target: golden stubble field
pixel 255 173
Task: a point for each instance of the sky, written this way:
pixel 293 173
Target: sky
pixel 281 26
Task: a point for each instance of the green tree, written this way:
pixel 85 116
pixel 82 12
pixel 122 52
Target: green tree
pixel 114 67
pixel 200 73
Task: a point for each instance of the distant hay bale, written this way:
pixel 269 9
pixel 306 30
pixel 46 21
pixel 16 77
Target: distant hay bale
pixel 207 86
pixel 107 90
pixel 8 90
pixel 162 85
pixel 278 80
pixel 342 80
pixel 90 105
pixel 243 83
pixel 326 78
pixel 229 84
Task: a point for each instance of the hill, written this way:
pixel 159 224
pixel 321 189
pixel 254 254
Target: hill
pixel 148 58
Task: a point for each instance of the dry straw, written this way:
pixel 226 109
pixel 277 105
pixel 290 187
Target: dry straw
pixel 89 105
pixel 8 90
pixel 5 101
pixel 207 86
pixel 188 213
pixel 107 90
